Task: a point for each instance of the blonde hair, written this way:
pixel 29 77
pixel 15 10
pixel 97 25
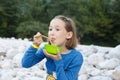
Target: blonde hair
pixel 70 27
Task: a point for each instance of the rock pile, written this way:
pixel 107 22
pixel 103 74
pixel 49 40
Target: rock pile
pixel 100 63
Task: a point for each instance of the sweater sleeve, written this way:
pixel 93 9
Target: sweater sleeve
pixel 32 56
pixel 72 71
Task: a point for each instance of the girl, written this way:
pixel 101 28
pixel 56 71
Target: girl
pixel 67 63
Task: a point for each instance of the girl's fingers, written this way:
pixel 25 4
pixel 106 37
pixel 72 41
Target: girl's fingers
pixel 47 54
pixel 58 51
pixel 54 57
pixel 37 38
pixel 38 35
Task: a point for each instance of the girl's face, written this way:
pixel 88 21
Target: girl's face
pixel 57 33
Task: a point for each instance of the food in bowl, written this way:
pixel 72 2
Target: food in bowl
pixel 52 49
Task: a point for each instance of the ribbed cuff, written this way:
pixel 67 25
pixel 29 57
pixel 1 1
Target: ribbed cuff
pixel 35 46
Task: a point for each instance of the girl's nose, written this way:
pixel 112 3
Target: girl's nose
pixel 52 32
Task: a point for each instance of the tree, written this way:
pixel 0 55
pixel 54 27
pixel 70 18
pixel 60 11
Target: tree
pixel 93 21
pixel 114 14
pixel 97 20
pixel 9 17
pixel 29 28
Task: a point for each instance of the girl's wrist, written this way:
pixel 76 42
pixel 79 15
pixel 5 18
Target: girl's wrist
pixel 37 44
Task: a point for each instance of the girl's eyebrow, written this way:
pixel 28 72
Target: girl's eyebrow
pixel 55 26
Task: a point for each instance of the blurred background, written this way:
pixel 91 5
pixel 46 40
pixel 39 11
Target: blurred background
pixel 97 21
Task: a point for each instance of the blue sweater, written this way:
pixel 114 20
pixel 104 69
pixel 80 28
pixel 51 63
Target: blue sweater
pixel 66 69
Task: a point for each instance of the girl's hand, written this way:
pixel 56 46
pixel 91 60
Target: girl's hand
pixel 54 57
pixel 37 39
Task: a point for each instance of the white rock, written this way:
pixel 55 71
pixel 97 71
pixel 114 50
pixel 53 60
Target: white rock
pixel 33 78
pixel 16 78
pixel 95 59
pixel 100 63
pixel 115 52
pixel 6 64
pixel 107 73
pixel 17 60
pixel 2 53
pixel 95 72
pixel 11 53
pixel 87 50
pixel 87 69
pixel 21 49
pixel 116 73
pixel 100 78
pixel 110 64
pixel 7 75
pixel 117 68
pixel 83 77
pixel 83 69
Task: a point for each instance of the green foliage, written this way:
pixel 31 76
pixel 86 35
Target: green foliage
pixel 29 28
pixel 95 24
pixel 97 21
pixel 114 12
pixel 9 17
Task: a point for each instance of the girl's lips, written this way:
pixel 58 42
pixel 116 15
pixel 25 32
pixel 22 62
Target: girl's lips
pixel 52 40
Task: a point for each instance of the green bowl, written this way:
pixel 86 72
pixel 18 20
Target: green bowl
pixel 52 49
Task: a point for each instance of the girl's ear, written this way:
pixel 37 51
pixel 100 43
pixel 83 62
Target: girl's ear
pixel 69 35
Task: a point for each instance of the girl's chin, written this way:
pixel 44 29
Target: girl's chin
pixel 54 44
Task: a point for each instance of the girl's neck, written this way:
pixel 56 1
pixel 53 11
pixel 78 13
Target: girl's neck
pixel 64 50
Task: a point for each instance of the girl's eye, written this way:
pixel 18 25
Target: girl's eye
pixel 50 29
pixel 57 29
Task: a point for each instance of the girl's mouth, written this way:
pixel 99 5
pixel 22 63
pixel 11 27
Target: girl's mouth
pixel 52 40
